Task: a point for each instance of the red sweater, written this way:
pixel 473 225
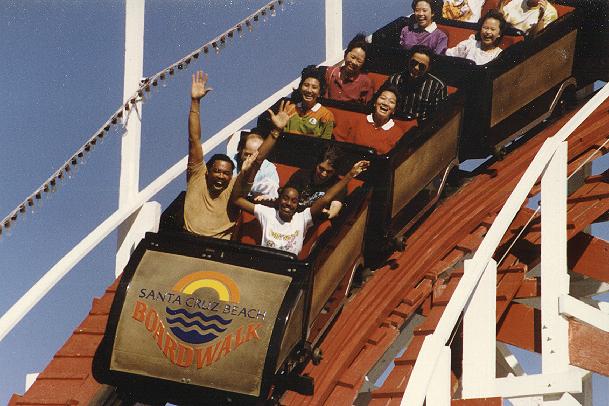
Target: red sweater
pixel 360 129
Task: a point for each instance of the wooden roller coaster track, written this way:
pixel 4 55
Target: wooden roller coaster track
pixel 416 282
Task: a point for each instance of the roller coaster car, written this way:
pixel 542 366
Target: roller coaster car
pixel 197 320
pixel 408 180
pixel 506 97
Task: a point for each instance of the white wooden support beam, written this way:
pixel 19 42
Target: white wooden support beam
pixel 146 219
pixel 134 68
pixel 479 333
pixel 554 271
pixel 571 307
pixel 416 390
pixel 30 379
pixel 131 139
pixel 566 399
pixel 438 392
pixel 542 384
pixel 334 29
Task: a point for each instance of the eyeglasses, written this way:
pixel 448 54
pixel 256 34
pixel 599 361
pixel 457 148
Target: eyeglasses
pixel 414 64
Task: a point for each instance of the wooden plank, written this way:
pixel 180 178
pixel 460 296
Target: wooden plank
pixel 588 347
pixel 588 255
pixel 519 327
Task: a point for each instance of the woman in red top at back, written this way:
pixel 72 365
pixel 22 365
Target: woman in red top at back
pixel 348 82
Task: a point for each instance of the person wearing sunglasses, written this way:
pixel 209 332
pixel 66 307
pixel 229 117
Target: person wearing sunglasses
pixel 420 92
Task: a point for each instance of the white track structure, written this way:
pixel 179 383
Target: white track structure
pixel 475 297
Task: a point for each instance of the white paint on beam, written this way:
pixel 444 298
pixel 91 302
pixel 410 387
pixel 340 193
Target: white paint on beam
pixel 542 384
pixel 30 379
pixel 554 272
pixel 571 307
pixel 438 392
pixel 479 333
pixel 146 219
pixel 134 68
pixel 334 29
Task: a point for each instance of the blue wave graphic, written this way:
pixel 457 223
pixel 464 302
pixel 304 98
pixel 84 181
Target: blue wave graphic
pixel 193 336
pixel 205 318
pixel 180 320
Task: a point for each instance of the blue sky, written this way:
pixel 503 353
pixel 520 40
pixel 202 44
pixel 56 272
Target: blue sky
pixel 62 75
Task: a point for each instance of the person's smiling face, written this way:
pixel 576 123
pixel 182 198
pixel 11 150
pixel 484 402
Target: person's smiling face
pixel 384 106
pixel 218 177
pixel 490 33
pixel 354 60
pixel 310 90
pixel 423 14
pixel 287 203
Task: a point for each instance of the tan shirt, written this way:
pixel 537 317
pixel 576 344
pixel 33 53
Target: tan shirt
pixel 203 214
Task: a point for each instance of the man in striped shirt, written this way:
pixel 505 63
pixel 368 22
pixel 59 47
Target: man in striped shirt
pixel 421 92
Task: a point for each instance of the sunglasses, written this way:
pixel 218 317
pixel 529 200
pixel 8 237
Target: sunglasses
pixel 414 64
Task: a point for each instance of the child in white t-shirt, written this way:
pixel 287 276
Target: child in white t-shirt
pixel 282 227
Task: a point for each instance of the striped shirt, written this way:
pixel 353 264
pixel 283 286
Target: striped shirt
pixel 420 98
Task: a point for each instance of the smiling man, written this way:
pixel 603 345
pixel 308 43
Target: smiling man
pixel 420 92
pixel 207 208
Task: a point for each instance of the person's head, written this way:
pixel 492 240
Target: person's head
pixel 420 61
pixel 385 102
pixel 355 54
pixel 312 85
pixel 287 203
pixel 249 145
pixel 424 12
pixel 326 165
pixel 219 173
pixel 492 26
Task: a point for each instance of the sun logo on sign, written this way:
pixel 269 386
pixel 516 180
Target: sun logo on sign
pixel 196 327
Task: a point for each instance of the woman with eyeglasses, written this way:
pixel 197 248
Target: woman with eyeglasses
pixel 348 82
pixel 376 130
pixel 484 46
pixel 422 30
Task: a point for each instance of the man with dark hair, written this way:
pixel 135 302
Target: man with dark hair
pixel 313 183
pixel 207 208
pixel 420 92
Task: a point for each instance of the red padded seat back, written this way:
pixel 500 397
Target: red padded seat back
pixel 562 10
pixel 489 5
pixel 378 79
pixel 458 34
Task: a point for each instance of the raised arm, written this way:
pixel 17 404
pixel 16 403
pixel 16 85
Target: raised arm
pixel 322 202
pixel 197 91
pixel 243 184
pixel 279 120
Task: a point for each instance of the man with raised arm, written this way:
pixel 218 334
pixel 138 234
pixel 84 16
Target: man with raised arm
pixel 207 208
